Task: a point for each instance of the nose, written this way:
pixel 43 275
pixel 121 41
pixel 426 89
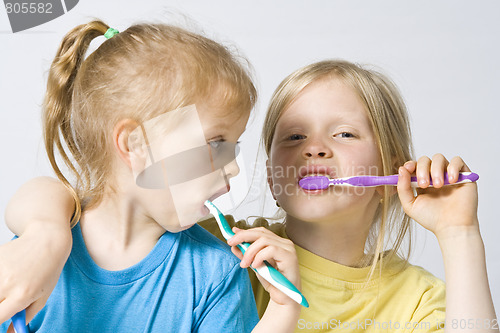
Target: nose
pixel 232 169
pixel 316 148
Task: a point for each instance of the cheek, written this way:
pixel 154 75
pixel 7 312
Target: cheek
pixel 364 162
pixel 282 167
pixel 374 162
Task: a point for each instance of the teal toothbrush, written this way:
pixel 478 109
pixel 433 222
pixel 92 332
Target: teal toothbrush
pixel 267 271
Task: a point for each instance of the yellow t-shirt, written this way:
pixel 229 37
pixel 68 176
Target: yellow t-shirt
pixel 403 298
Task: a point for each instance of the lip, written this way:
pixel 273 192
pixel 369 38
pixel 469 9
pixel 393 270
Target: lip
pixel 315 169
pixel 220 192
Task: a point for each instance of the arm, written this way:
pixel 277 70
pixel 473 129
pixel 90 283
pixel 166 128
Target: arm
pixel 451 214
pixel 468 300
pixel 282 313
pixel 43 201
pixel 39 213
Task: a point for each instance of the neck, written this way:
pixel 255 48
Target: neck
pixel 117 233
pixel 341 239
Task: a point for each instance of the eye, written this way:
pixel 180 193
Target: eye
pixel 214 144
pixel 295 137
pixel 345 135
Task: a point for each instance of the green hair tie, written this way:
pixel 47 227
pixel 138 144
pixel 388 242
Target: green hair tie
pixel 110 33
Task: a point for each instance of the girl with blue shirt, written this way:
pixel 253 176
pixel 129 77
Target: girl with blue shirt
pixel 138 262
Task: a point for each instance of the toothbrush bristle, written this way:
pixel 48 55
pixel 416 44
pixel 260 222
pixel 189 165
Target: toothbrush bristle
pixel 314 183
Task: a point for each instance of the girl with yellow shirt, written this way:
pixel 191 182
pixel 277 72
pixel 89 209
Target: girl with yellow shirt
pixel 338 119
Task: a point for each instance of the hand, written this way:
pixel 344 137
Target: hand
pixel 439 209
pixel 277 251
pixel 31 265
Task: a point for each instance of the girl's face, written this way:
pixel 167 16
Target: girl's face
pixel 325 131
pixel 180 204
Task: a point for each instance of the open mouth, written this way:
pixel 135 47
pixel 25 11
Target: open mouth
pixel 217 194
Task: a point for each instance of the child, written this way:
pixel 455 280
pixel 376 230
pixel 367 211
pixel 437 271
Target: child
pixel 125 273
pixel 336 118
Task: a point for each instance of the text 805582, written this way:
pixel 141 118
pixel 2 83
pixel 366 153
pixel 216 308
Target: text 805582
pixel 27 7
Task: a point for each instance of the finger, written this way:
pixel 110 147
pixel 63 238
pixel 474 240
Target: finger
pixel 251 235
pixel 422 172
pixel 8 308
pixel 438 165
pixel 258 263
pixel 252 251
pixel 265 243
pixel 456 165
pixel 272 255
pixel 241 236
pixel 411 166
pixel 237 252
pixel 35 307
pixel 405 192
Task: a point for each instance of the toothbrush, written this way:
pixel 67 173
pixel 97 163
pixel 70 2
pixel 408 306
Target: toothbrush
pixel 322 182
pixel 19 322
pixel 267 271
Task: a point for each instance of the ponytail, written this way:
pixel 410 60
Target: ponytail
pixel 57 106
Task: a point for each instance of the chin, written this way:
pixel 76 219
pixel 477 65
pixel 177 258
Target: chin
pixel 317 210
pixel 178 228
pixel 186 227
pixel 306 212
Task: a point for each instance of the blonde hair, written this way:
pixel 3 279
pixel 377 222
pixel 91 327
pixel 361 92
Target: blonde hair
pixel 389 119
pixel 139 73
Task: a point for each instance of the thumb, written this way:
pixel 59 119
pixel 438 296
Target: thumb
pixel 267 286
pixel 405 191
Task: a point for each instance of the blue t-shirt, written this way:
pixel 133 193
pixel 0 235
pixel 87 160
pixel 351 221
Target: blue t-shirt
pixel 189 282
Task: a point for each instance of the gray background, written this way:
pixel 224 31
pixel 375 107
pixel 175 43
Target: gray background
pixel 442 54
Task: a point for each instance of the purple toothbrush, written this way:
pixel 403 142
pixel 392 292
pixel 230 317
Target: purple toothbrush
pixel 322 182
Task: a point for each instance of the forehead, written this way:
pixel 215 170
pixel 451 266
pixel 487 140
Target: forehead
pixel 225 120
pixel 225 103
pixel 326 99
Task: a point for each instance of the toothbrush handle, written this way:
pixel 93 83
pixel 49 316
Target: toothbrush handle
pixel 274 277
pixel 267 271
pixel 19 322
pixel 463 177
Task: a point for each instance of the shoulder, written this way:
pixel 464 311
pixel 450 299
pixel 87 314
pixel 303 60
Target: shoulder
pixel 429 294
pixel 417 283
pixel 205 250
pixel 200 239
pixel 432 288
pixel 419 276
pixel 216 271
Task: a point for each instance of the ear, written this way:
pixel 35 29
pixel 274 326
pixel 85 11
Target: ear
pixel 270 177
pixel 122 141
